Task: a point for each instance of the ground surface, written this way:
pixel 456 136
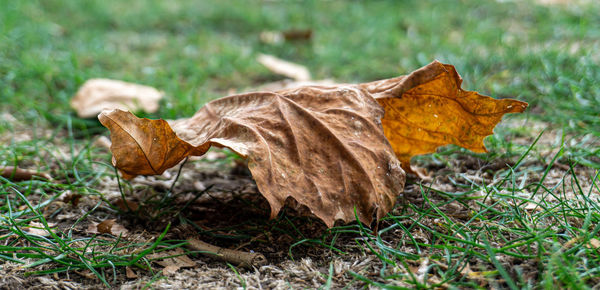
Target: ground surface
pixel 524 215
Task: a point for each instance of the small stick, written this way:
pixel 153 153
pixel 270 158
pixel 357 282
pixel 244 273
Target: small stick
pixel 19 174
pixel 240 258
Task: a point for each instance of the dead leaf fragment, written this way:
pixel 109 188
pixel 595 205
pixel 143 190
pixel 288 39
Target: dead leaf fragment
pixel 172 261
pixel 289 69
pixel 325 147
pixel 428 109
pixel 126 205
pixel 96 95
pixel 593 244
pixel 130 274
pixel 20 174
pixel 109 226
pixel 72 198
pixel 38 229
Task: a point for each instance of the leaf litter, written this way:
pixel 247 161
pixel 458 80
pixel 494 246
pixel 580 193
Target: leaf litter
pixel 109 226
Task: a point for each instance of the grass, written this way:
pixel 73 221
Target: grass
pixel 531 224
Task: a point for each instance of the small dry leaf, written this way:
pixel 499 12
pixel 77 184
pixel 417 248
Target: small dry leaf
pixel 170 270
pixel 127 205
pixel 594 244
pixel 38 229
pixel 289 69
pixel 177 260
pixel 72 198
pixel 96 95
pixel 20 174
pixel 109 226
pixel 532 206
pixel 106 226
pixel 326 147
pixel 130 274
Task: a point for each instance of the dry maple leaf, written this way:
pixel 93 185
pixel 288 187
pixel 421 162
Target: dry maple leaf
pixel 323 146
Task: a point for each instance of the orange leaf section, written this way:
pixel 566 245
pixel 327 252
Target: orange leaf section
pixel 428 109
pixel 323 147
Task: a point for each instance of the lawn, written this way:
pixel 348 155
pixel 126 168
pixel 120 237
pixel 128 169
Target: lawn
pixel 524 215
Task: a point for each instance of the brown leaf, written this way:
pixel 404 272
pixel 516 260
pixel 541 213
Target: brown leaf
pixel 126 205
pixel 323 146
pixel 19 174
pixel 105 227
pixel 130 274
pixel 96 95
pixel 172 260
pixel 170 270
pixel 72 198
pixel 428 109
pixel 109 226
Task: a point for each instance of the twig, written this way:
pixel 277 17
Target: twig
pixel 235 257
pixel 19 174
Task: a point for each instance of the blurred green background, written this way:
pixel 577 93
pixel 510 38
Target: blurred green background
pixel 196 51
